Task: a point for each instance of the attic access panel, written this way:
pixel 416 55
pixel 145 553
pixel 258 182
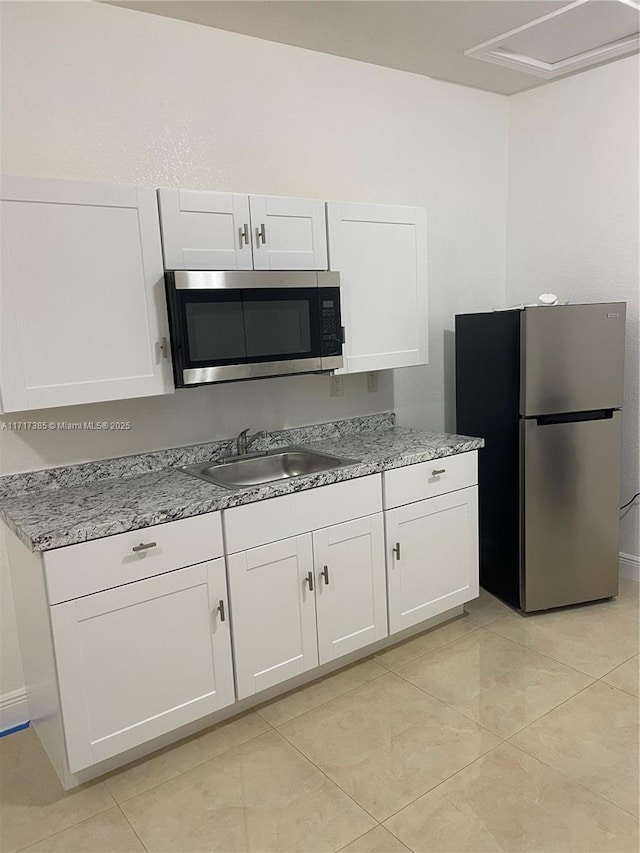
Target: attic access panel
pixel 582 34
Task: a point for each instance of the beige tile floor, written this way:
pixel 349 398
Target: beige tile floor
pixel 493 732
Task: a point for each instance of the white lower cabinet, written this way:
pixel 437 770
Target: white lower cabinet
pixel 274 613
pixel 140 645
pixel 306 600
pixel 432 556
pixel 351 598
pixel 139 660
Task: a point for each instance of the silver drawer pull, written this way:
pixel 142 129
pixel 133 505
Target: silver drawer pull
pixel 437 471
pixel 143 546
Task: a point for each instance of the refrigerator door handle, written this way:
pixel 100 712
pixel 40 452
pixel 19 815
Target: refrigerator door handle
pixel 574 417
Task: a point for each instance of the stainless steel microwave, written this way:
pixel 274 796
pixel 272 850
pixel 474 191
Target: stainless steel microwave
pixel 227 326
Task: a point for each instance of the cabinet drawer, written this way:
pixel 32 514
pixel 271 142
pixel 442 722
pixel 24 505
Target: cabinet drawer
pixel 291 515
pixel 114 560
pixel 429 479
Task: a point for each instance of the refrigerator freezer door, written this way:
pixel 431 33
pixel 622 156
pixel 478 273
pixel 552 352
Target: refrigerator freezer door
pixel 570 517
pixel 572 358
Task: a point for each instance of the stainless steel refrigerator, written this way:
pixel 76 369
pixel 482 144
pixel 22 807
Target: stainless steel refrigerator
pixel 543 386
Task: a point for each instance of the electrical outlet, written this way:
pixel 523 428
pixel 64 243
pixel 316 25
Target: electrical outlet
pixel 372 382
pixel 336 388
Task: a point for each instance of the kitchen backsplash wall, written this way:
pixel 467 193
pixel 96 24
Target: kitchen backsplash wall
pixel 123 467
pixel 190 416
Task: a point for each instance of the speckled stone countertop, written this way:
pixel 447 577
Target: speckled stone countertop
pixel 64 506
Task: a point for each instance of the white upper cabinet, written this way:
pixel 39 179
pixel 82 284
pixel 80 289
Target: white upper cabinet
pixel 82 305
pixel 380 252
pixel 231 231
pixel 288 233
pixel 205 230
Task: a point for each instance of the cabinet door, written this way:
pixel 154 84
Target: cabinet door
pixel 288 233
pixel 274 613
pixel 205 230
pixel 351 599
pixel 380 252
pixel 82 305
pixel 142 659
pixel 437 568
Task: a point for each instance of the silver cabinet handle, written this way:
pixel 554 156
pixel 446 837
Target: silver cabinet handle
pixel 220 609
pixel 396 550
pixel 261 234
pixel 309 580
pixel 437 471
pixel 244 234
pixel 143 546
pixel 325 574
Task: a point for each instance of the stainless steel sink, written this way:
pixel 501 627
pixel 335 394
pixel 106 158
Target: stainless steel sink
pixel 270 466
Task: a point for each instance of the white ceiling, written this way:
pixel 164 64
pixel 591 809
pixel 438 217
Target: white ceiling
pixel 427 37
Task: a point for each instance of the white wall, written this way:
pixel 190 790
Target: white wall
pixel 572 222
pixel 93 92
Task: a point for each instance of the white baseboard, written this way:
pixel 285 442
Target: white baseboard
pixel 13 709
pixel 629 567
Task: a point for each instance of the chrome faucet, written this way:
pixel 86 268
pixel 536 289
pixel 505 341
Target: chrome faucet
pixel 244 441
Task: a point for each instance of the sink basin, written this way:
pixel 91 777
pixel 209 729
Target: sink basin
pixel 284 463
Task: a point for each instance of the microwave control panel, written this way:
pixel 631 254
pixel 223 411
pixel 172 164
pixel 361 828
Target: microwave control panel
pixel 330 328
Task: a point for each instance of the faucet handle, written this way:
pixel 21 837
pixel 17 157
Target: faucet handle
pixel 255 437
pixel 242 442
